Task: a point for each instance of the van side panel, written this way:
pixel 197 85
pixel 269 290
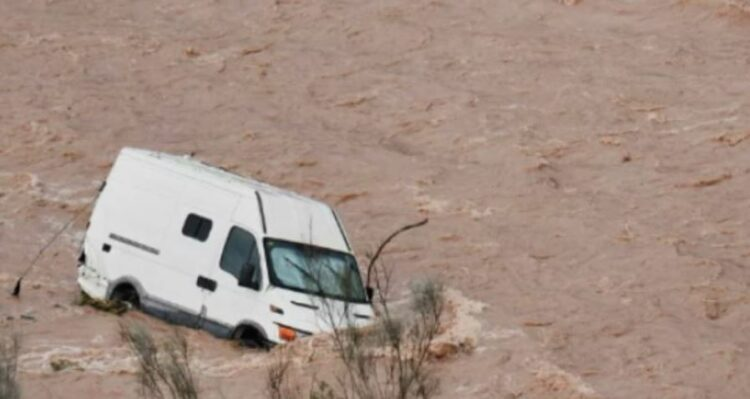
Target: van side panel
pixel 138 234
pixel 135 216
pixel 140 216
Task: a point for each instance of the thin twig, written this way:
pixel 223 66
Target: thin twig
pixel 385 242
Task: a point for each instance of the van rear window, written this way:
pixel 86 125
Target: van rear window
pixel 197 227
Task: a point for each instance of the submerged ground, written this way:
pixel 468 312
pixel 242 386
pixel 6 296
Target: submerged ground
pixel 585 169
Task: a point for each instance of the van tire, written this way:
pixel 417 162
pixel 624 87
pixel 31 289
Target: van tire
pixel 127 294
pixel 251 337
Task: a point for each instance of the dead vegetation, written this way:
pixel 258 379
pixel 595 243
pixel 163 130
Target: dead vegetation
pixel 10 345
pixel 163 367
pixel 388 360
pixel 62 364
pixel 279 384
pixel 115 307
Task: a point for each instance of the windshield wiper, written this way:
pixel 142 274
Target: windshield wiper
pixel 347 293
pixel 306 274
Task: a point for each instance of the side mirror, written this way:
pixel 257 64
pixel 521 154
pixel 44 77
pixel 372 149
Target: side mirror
pixel 370 293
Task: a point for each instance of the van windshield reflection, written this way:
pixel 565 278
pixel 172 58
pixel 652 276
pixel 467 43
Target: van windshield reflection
pixel 314 270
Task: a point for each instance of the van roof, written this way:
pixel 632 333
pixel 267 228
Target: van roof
pixel 289 214
pixel 187 165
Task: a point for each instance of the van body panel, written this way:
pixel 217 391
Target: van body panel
pixel 231 302
pixel 314 314
pixel 162 223
pixel 133 216
pixel 292 220
pixel 248 213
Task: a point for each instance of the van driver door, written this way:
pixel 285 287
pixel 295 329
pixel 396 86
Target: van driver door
pixel 237 273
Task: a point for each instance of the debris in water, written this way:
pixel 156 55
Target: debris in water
pixel 708 182
pixel 27 316
pixel 442 350
pixel 537 323
pixel 64 364
pixel 732 138
pixel 256 50
pixel 462 327
pixel 344 198
pixel 192 52
pixel 611 140
pixel 114 307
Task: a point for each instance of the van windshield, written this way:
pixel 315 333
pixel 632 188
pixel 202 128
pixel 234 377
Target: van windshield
pixel 314 270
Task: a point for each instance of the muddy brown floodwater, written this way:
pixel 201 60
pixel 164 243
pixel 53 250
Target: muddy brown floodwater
pixel 585 166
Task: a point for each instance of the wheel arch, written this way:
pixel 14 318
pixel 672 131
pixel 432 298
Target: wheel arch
pixel 123 282
pixel 255 330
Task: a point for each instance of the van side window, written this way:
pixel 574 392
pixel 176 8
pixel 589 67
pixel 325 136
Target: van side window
pixel 241 259
pixel 197 227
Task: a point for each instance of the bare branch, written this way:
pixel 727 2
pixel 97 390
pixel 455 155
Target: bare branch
pixel 387 360
pixel 160 367
pixel 385 242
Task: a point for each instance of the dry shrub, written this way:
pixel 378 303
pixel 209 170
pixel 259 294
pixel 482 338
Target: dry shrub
pixel 163 367
pixel 279 383
pixel 389 360
pixel 10 345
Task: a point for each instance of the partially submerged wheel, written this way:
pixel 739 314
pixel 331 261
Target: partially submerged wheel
pixel 128 295
pixel 251 338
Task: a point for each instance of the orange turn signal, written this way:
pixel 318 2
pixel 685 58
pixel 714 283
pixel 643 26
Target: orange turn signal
pixel 287 334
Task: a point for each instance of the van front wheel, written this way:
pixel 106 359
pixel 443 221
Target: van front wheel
pixel 251 337
pixel 126 293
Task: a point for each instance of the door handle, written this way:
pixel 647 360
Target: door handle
pixel 206 283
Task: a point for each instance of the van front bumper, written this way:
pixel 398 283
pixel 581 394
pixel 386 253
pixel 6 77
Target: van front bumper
pixel 91 283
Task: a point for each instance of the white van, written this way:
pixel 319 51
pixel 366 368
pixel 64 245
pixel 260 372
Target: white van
pixel 203 247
